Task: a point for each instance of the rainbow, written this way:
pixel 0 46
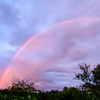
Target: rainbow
pixel 37 35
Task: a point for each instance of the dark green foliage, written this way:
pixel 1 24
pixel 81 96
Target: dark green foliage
pixel 65 88
pixel 96 76
pixel 71 94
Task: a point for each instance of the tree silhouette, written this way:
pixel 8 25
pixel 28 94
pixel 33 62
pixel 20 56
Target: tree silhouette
pixel 96 77
pixel 90 77
pixel 22 84
pixel 65 88
pixel 85 76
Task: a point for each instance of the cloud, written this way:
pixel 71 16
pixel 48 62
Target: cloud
pixel 53 56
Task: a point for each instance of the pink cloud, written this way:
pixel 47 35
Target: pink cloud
pixel 53 56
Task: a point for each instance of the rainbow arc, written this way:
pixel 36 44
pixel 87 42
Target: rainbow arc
pixel 37 35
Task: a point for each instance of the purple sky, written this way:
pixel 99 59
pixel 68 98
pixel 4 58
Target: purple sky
pixel 53 57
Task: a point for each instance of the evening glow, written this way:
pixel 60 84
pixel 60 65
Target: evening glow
pixel 46 43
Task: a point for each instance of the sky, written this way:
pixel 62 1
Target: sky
pixel 45 40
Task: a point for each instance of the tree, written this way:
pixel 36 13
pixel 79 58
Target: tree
pixel 96 77
pixel 90 77
pixel 85 76
pixel 65 88
pixel 22 85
